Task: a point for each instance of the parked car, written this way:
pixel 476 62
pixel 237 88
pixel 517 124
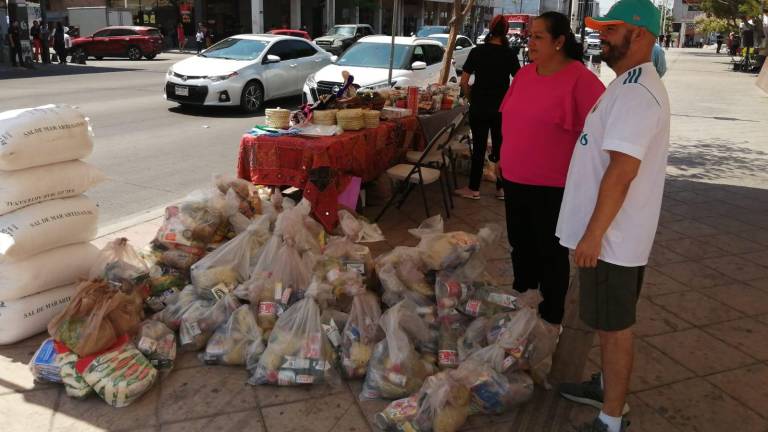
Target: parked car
pixel 295 33
pixel 245 70
pixel 460 53
pixel 133 42
pixel 430 30
pixel 481 39
pixel 341 37
pixel 417 62
pixel 592 47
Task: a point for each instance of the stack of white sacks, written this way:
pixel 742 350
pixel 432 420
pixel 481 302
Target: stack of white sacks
pixel 46 223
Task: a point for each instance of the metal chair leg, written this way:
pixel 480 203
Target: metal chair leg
pixel 443 188
pixel 408 189
pixel 424 198
pixel 387 205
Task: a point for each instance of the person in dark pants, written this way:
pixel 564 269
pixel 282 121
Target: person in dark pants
pixel 492 64
pixel 58 43
pixel 719 41
pixel 37 44
pixel 14 41
pixel 543 113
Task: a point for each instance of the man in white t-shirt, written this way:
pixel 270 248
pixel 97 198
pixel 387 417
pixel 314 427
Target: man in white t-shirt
pixel 612 201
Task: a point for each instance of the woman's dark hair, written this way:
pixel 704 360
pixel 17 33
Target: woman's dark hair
pixel 498 29
pixel 559 25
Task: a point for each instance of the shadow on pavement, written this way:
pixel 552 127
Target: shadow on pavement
pixel 55 70
pixel 291 103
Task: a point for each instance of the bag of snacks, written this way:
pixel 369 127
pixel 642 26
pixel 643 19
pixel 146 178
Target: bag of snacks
pixel 298 352
pixel 120 376
pixel 237 342
pixel 396 369
pixel 158 343
pixel 202 319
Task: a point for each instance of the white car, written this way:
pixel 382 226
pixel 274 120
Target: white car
pixel 245 70
pixel 460 53
pixel 417 62
pixel 481 39
pixel 593 46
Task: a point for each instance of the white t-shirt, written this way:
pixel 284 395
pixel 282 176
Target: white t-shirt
pixel 199 36
pixel 631 117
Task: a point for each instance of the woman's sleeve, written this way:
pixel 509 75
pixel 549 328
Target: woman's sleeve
pixel 586 91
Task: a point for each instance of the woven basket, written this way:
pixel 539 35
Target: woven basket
pixel 278 118
pixel 324 117
pixel 350 119
pixel 371 118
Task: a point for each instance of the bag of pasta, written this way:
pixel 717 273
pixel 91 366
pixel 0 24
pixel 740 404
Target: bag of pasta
pixel 298 352
pixel 237 342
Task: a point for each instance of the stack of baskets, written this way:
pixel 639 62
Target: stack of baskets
pixel 278 118
pixel 350 119
pixel 324 117
pixel 371 118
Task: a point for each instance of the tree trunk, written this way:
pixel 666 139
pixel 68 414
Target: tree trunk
pixel 456 22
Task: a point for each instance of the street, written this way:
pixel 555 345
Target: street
pixel 152 151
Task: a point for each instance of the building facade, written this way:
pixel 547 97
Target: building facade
pixel 684 13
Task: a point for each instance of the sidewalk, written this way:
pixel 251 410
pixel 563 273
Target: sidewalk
pixel 701 354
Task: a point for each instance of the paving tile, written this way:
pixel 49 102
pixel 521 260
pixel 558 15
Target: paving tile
pixel 746 299
pixel 653 320
pixel 501 270
pixel 726 224
pixel 749 335
pixel 692 228
pixel 748 385
pixel 690 197
pixel 645 418
pixel 761 284
pixel 236 422
pixel 699 352
pixel 275 395
pixel 657 283
pixel 696 308
pixel 369 408
pixel 737 267
pixel 205 391
pixel 733 243
pixel 651 367
pixel 763 318
pixel 697 405
pixel 694 274
pixel 186 360
pixel 760 257
pixel 27 412
pixel 692 248
pixel 759 235
pixel 94 414
pixel 323 414
pixel 665 233
pixel 663 255
pixel 14 369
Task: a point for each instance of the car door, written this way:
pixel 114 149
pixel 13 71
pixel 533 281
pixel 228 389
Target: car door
pixel 280 78
pixel 461 55
pixel 118 41
pixel 309 60
pixel 98 44
pixel 434 59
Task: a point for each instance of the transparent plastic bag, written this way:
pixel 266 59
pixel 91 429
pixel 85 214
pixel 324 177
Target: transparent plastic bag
pixel 396 369
pixel 401 271
pixel 359 230
pixel 249 203
pixel 298 352
pixel 485 299
pixel 120 265
pixel 237 342
pixel 538 354
pixel 508 338
pixel 473 339
pixel 448 250
pixel 176 306
pixel 352 256
pixel 361 334
pixel 195 222
pixel 430 226
pixel 202 319
pixel 494 392
pixel 158 344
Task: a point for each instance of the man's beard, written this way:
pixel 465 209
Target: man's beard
pixel 615 54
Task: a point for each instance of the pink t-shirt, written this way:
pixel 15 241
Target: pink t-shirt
pixel 541 119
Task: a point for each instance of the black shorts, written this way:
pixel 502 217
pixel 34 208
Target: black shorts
pixel 608 295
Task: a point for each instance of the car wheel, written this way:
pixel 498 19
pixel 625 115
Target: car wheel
pixel 252 97
pixel 134 53
pixel 78 52
pixel 99 58
pixel 150 56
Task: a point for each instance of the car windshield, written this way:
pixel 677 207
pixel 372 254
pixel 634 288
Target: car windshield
pixel 343 31
pixel 428 31
pixel 442 39
pixel 236 49
pixel 375 55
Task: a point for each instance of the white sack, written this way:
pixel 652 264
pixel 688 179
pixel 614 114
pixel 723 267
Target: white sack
pixel 44 135
pixel 47 225
pixel 56 267
pixel 28 316
pixel 35 185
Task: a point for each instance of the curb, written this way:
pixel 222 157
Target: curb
pixel 131 221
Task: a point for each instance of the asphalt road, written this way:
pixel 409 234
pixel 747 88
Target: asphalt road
pixel 153 151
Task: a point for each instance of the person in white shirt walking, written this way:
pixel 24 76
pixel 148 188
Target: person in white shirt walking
pixel 612 201
pixel 200 38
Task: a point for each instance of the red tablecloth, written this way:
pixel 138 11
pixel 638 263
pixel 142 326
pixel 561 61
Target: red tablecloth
pixel 322 166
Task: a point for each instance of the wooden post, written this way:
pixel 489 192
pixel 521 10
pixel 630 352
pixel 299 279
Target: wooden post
pixel 456 22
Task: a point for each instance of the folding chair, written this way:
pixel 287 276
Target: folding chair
pixel 437 157
pixel 459 145
pixel 411 174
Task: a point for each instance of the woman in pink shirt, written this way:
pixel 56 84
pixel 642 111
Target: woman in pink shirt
pixel 543 113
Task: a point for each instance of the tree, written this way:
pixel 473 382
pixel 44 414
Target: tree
pixel 455 23
pixel 710 24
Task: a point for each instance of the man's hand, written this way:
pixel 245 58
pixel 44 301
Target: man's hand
pixel 588 250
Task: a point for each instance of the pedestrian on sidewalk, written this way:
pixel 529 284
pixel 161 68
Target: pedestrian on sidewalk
pixel 37 44
pixel 180 36
pixel 200 38
pixel 14 42
pixel 612 202
pixel 719 41
pixel 543 113
pixel 59 44
pixel 492 64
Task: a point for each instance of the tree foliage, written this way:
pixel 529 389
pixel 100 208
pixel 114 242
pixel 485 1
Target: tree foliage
pixel 710 24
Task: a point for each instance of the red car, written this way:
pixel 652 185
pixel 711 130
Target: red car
pixel 295 33
pixel 130 41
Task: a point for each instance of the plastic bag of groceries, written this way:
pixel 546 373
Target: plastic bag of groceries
pixel 454 249
pixel 361 334
pixel 473 339
pixel 119 264
pixel 176 306
pixel 120 376
pixel 237 342
pixel 508 337
pixel 231 263
pixel 158 344
pixel 195 222
pixel 74 383
pixel 542 343
pixel 298 352
pixel 359 230
pixel 430 226
pixel 401 270
pixel 492 391
pixel 488 300
pixel 202 319
pixel 441 405
pixel 249 203
pixel 95 317
pixel 352 256
pixel 396 369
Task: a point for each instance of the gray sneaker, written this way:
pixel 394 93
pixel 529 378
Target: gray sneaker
pixel 588 393
pixel 599 426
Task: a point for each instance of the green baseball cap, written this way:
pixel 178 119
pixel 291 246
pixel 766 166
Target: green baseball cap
pixel 641 13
